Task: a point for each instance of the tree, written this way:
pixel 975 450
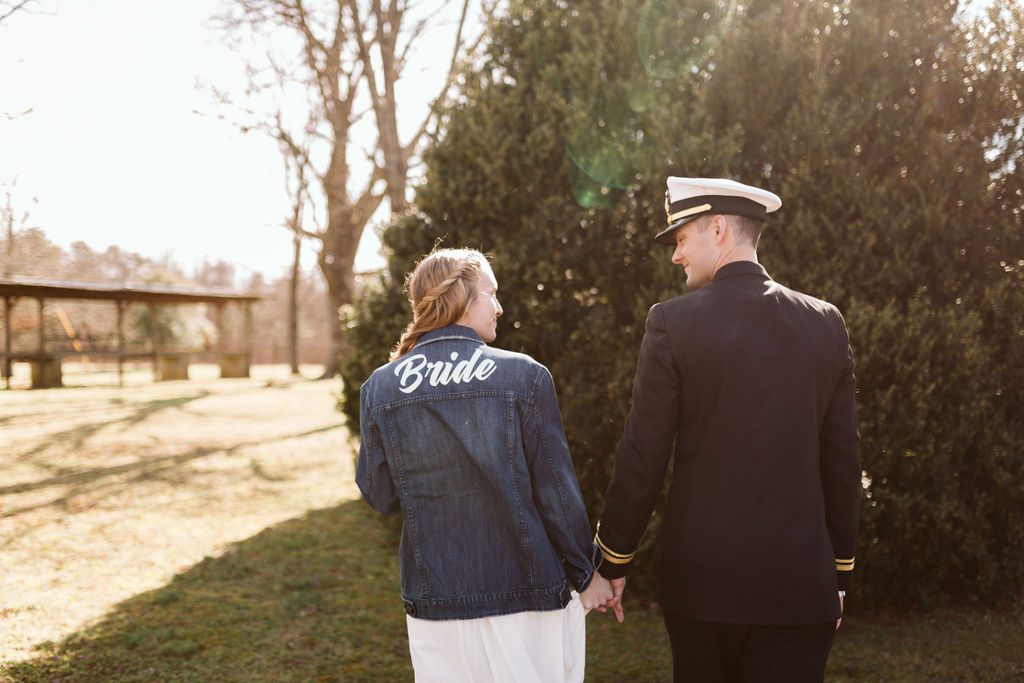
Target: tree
pixel 344 55
pixel 296 166
pixel 11 7
pixel 12 221
pixel 891 130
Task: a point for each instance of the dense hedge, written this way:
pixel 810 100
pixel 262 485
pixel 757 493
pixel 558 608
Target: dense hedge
pixel 892 132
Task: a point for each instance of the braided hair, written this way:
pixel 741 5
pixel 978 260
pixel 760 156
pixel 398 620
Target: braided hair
pixel 441 287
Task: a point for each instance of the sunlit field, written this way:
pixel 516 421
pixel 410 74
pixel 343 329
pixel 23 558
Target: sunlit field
pixel 108 492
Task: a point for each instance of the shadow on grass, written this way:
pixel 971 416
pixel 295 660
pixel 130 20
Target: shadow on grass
pixel 315 598
pixel 77 437
pixel 146 467
pixel 96 481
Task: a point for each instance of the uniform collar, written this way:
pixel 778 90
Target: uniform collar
pixel 740 268
pixel 449 332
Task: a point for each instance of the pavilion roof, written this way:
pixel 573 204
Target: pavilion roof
pixel 115 291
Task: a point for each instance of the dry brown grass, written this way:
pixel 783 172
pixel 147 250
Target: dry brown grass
pixel 106 492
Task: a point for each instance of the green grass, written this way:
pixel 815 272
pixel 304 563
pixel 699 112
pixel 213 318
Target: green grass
pixel 316 599
pixel 947 644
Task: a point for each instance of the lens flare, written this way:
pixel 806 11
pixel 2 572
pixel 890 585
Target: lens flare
pixel 606 144
pixel 674 37
pixel 643 93
pixel 589 193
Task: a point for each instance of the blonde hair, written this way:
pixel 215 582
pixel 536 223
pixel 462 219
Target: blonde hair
pixel 441 287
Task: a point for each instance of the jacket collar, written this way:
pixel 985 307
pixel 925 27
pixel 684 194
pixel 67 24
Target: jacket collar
pixel 449 332
pixel 740 268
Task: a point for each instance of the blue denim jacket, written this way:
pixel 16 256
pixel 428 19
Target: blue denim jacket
pixel 467 442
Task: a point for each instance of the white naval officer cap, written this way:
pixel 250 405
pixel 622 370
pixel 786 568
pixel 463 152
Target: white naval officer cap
pixel 689 198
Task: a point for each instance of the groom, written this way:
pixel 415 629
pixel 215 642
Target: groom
pixel 748 387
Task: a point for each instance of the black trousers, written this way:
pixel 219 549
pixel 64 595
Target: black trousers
pixel 708 652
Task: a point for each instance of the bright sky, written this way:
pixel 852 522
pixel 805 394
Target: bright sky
pixel 113 151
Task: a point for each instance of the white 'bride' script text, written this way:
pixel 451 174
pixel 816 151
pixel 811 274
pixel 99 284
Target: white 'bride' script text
pixel 412 370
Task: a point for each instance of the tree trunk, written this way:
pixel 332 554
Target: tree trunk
pixel 8 216
pixel 293 305
pixel 337 263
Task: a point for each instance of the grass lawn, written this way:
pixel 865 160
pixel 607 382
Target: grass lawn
pixel 209 530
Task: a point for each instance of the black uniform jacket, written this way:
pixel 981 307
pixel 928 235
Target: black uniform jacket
pixel 753 383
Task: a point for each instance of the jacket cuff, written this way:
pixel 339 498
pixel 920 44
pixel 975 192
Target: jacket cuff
pixel 613 565
pixel 579 578
pixel 844 573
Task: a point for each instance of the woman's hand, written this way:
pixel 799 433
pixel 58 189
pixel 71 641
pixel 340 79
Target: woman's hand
pixel 597 594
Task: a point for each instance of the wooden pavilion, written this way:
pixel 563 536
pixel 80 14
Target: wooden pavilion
pixel 45 359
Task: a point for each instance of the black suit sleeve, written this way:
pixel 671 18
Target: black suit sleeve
pixel 642 456
pixel 839 444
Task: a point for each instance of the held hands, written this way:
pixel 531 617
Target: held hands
pixel 602 594
pixel 597 594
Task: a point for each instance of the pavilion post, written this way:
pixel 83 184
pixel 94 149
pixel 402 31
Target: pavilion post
pixel 42 327
pixel 45 370
pixel 248 332
pixel 120 341
pixel 8 303
pixel 154 339
pixel 218 322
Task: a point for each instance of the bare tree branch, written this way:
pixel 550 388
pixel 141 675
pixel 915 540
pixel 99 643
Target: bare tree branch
pixel 414 33
pixel 9 8
pixel 413 144
pixel 11 117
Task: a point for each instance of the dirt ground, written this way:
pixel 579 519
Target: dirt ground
pixel 106 492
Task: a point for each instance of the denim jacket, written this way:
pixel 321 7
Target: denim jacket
pixel 467 442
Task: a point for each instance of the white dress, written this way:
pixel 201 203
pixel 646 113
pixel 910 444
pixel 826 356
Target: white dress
pixel 549 647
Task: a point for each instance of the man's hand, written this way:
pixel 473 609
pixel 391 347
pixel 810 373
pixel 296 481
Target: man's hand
pixel 598 593
pixel 840 619
pixel 618 588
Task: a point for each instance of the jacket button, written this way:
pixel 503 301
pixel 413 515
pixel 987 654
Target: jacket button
pixel 410 608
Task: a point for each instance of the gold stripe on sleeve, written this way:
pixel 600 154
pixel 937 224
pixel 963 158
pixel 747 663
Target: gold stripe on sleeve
pixel 844 565
pixel 609 554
